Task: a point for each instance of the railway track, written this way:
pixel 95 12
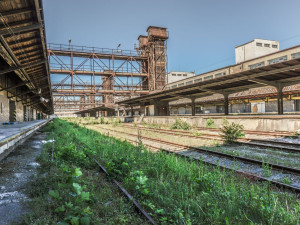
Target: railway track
pixel 285 146
pixel 189 151
pixel 252 132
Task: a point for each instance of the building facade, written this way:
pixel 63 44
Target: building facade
pixel 177 76
pixel 254 49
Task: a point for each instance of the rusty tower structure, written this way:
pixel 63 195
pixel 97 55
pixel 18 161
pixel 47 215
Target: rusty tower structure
pixel 154 46
pixel 87 77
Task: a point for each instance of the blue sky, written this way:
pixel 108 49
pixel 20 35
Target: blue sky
pixel 202 33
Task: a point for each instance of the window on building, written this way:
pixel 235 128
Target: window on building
pixel 189 82
pixel 184 74
pixel 208 77
pixel 174 74
pixel 278 60
pixel 274 46
pixel 174 86
pixel 259 44
pixel 219 74
pixel 296 55
pixel 180 85
pixel 198 80
pixel 267 45
pixel 179 74
pixel 256 65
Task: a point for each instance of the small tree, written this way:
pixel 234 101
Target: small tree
pixel 179 124
pixel 231 131
pixel 210 123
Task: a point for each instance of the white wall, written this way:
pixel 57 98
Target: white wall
pixel 176 76
pixel 251 50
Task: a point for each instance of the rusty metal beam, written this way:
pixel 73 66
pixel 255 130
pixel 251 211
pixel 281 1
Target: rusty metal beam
pixel 16 12
pixel 20 67
pixel 16 31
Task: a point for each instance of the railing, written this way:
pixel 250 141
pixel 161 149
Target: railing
pixel 104 51
pixel 99 86
pixel 96 68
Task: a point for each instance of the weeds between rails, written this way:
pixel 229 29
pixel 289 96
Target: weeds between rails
pixel 175 190
pixel 265 166
pixel 70 190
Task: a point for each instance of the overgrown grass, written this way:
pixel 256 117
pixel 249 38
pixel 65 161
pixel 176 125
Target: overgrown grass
pixel 176 190
pixel 69 188
pixel 179 124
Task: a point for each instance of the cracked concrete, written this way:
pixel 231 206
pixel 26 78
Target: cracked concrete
pixel 16 171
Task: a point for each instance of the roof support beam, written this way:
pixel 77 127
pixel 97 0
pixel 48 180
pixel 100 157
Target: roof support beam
pixel 17 30
pixel 20 67
pixel 22 84
pixel 16 12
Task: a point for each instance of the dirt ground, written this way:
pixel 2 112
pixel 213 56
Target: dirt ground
pixel 16 171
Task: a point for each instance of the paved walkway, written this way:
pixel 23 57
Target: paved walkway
pixel 7 131
pixel 16 172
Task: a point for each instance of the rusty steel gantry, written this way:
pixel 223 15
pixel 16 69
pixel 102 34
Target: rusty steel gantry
pixel 87 77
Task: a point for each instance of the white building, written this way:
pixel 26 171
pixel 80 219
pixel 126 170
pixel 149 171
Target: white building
pixel 176 76
pixel 254 49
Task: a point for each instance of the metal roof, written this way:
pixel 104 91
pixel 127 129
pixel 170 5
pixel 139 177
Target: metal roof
pixel 287 72
pixel 23 47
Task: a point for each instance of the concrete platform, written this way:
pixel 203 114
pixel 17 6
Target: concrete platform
pixel 289 123
pixel 13 135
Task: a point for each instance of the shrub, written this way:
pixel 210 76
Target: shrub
pixel 116 122
pixel 210 123
pixel 102 120
pixel 179 124
pixel 231 131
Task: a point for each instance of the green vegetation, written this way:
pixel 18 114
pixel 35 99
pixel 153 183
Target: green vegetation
pixel 210 123
pixel 154 125
pixel 286 180
pixel 231 131
pixel 180 125
pixel 267 169
pixel 173 190
pixel 70 189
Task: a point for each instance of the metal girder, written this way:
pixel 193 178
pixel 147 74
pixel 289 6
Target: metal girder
pixel 24 47
pixel 16 12
pixel 28 52
pixel 22 84
pixel 20 67
pixel 27 92
pixel 21 29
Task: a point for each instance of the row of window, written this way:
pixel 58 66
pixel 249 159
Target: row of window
pixel 179 74
pixel 253 66
pixel 259 44
pixel 273 61
pixel 200 79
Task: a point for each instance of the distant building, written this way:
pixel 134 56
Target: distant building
pixel 254 49
pixel 176 76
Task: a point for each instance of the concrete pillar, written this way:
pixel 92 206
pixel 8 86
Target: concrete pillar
pixel 131 110
pixel 226 104
pixel 280 100
pixel 143 110
pixel 118 112
pixel 193 107
pixel 167 109
pixel 156 106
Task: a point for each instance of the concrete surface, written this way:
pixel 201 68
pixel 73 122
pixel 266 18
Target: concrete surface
pixel 12 135
pixel 16 171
